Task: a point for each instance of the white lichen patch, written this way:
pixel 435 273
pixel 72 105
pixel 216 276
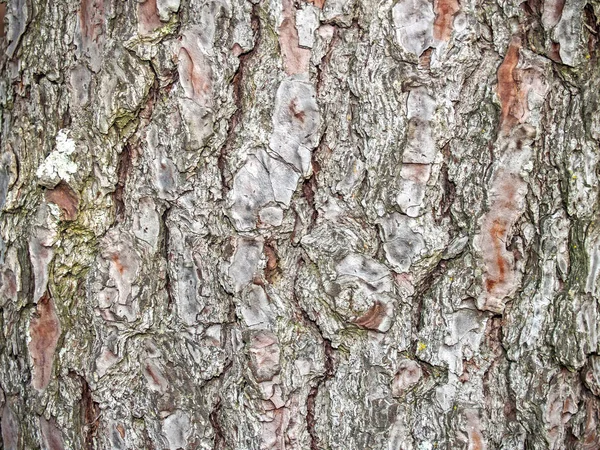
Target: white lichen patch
pixel 58 164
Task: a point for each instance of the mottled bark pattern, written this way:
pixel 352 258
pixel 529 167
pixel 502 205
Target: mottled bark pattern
pixel 299 224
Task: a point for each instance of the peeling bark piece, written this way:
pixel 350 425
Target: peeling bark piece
pixel 186 296
pixel 412 186
pixel 408 374
pixel 58 164
pixel 260 181
pixel 66 199
pixel 90 18
pixel 307 22
pixel 165 176
pixel 519 90
pixel 295 122
pixel 271 215
pixel 40 256
pixel 166 8
pixel 251 191
pixel 148 18
pixel 295 58
pixel 263 355
pixel 378 317
pixel 245 262
pixel 401 244
pixel 18 16
pixel 195 71
pixel 552 12
pixel 255 310
pixel 354 175
pixel 568 32
pixel 80 80
pixel 445 10
pixel 44 332
pixel 177 428
pixel 420 148
pixel 413 20
pixel 146 222
pixel 51 436
pixel 375 276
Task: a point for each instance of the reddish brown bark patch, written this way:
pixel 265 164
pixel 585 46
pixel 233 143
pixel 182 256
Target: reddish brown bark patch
pixel 508 89
pixel 2 16
pixel 272 269
pixel 499 280
pixel 10 429
pixel 44 331
pixel 554 53
pixel 425 59
pixel 117 263
pixel 148 18
pixel 91 19
pixel 66 199
pixel 374 318
pixel 318 3
pixel 445 11
pixel 295 112
pixel 476 441
pixel 497 237
pixel 295 58
pixel 51 435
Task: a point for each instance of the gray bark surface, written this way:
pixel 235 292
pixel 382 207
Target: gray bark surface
pixel 267 224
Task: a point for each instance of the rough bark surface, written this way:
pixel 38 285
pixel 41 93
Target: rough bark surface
pixel 279 224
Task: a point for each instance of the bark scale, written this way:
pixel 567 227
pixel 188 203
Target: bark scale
pixel 339 224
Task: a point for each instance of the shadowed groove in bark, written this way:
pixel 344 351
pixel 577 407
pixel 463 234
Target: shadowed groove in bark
pixel 238 91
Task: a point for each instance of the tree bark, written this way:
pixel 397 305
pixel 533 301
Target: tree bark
pixel 337 224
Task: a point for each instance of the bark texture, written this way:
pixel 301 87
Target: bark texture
pixel 277 224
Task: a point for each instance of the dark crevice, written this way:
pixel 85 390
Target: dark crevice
pixel 272 269
pixel 220 443
pixel 238 95
pixel 591 22
pixel 311 421
pixel 423 288
pixel 168 286
pixel 124 166
pixel 326 59
pixel 448 189
pixel 329 364
pixel 216 425
pixel 89 412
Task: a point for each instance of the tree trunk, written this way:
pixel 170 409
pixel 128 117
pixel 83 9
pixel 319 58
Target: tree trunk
pixel 345 224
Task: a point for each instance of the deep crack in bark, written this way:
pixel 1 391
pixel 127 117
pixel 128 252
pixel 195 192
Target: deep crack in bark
pixel 238 82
